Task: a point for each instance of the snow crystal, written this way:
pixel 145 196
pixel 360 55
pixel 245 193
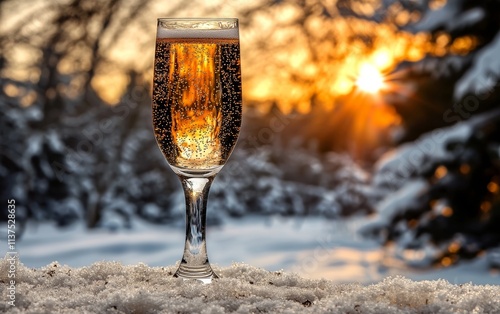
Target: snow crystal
pixel 111 286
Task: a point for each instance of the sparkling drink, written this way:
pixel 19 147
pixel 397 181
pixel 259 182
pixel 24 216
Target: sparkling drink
pixel 197 99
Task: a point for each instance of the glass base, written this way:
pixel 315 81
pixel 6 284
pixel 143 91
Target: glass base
pixel 203 273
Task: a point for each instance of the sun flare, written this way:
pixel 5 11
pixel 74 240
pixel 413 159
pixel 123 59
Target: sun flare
pixel 369 79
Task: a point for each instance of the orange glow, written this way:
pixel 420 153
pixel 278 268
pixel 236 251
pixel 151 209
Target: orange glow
pixel 292 57
pixel 464 169
pixel 485 206
pixel 322 61
pixel 369 79
pixel 493 187
pixel 196 122
pixel 463 45
pixel 28 99
pixel 454 247
pixel 447 211
pixel 412 223
pixel 382 58
pixel 440 172
pixel 11 90
pixel 437 4
pixel 343 87
pixel 446 261
pixel 110 86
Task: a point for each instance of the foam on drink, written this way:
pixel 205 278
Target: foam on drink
pixel 203 29
pixel 198 33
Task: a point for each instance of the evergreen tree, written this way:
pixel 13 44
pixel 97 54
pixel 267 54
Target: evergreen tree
pixel 439 193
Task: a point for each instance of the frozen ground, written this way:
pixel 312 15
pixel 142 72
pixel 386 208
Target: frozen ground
pixel 108 287
pixel 314 248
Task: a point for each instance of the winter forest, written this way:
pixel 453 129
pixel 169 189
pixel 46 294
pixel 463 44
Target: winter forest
pixel 381 110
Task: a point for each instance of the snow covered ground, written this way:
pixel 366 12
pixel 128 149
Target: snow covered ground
pixel 314 248
pixel 108 287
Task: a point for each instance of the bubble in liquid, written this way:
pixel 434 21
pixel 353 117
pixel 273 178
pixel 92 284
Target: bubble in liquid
pixel 197 100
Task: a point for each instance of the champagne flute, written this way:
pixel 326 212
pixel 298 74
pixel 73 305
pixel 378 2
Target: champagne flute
pixel 196 116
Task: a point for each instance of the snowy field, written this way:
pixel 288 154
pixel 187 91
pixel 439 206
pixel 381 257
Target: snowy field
pixel 314 248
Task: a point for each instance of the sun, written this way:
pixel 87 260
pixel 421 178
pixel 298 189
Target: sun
pixel 370 79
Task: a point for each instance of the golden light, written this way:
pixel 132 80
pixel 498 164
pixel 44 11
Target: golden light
pixel 447 211
pixel 454 247
pixel 485 206
pixel 440 172
pixel 110 92
pixel 493 187
pixel 370 79
pixel 464 169
pixel 446 261
pixel 196 122
pixel 382 58
pixel 11 90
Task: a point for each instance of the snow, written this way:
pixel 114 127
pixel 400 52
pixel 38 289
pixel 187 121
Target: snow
pixel 467 19
pixel 314 247
pixel 454 17
pixel 113 287
pixel 304 265
pixel 450 18
pixel 434 19
pixel 403 187
pixel 397 167
pixel 482 77
pixel 395 204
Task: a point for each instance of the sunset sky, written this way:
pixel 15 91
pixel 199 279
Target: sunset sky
pixel 295 56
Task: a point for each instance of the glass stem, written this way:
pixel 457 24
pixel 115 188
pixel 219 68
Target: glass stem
pixel 194 263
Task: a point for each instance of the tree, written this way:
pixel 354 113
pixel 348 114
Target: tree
pixel 439 195
pixel 60 135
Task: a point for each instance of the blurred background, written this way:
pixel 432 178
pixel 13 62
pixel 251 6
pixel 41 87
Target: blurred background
pixel 370 142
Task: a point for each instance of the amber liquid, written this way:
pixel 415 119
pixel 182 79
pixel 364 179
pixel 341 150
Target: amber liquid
pixel 197 100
